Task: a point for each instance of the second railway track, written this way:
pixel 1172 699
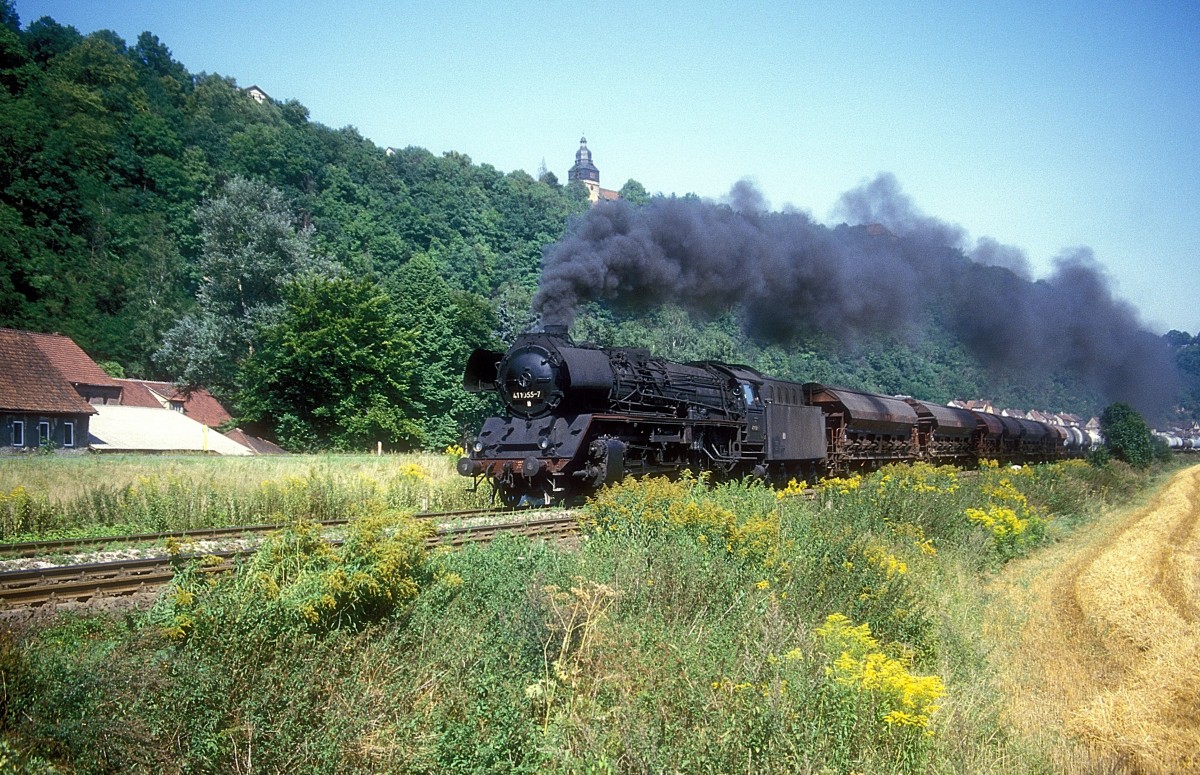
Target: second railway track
pixel 59 546
pixel 28 588
pixel 38 587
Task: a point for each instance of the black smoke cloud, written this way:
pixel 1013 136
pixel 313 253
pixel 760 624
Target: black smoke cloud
pixel 788 274
pixel 791 277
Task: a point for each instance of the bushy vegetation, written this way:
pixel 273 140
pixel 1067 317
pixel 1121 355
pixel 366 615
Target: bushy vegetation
pixel 156 216
pixel 1126 435
pixel 1187 358
pixel 692 629
pixel 114 155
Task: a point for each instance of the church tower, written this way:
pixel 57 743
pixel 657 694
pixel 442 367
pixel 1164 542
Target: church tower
pixel 585 172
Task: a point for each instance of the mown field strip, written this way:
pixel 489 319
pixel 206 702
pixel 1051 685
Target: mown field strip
pixel 1106 668
pixel 1141 592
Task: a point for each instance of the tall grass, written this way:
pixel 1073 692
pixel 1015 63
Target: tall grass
pixel 693 629
pixel 49 496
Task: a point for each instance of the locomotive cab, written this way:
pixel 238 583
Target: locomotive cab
pixel 755 432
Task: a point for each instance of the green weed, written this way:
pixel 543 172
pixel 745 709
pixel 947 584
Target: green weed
pixel 692 629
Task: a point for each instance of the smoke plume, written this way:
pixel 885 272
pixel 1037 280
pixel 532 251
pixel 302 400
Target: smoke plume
pixel 790 276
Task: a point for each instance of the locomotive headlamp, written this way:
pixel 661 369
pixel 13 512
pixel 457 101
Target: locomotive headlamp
pixel 544 444
pixel 477 446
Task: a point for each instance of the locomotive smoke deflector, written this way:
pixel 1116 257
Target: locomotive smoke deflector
pixel 480 374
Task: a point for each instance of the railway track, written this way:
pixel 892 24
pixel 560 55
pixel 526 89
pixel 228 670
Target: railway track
pixel 68 545
pixel 78 583
pixel 33 588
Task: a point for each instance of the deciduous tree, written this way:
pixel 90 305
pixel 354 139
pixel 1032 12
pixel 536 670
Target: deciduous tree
pixel 448 325
pixel 1127 435
pixel 634 192
pixel 335 369
pixel 251 249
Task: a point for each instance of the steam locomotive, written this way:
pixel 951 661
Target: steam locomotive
pixel 581 416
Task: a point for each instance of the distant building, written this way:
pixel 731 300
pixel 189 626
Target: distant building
pixel 52 395
pixel 45 385
pixel 197 404
pixel 257 94
pixel 589 175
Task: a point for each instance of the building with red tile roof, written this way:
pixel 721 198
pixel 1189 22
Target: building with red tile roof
pixel 197 404
pixel 52 393
pixel 88 379
pixel 70 360
pixel 39 404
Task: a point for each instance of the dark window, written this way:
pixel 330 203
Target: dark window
pixel 68 434
pixel 43 432
pixel 18 433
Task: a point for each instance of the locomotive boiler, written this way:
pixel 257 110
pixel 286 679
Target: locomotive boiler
pixel 578 417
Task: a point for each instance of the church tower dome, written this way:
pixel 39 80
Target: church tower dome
pixel 585 171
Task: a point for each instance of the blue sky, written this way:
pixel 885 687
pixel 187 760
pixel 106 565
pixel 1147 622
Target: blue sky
pixel 1046 126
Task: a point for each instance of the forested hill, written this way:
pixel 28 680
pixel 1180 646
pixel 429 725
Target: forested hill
pixel 109 150
pixel 177 228
pixel 106 149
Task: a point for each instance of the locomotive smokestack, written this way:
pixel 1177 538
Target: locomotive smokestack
pixel 790 277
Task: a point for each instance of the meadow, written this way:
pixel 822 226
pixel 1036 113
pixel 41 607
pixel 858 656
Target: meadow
pixel 693 628
pixel 52 496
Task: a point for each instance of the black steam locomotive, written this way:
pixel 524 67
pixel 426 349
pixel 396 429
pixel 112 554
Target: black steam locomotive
pixel 582 416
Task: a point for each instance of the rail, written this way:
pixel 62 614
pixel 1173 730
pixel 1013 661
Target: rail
pixel 44 548
pixel 31 588
pixel 76 583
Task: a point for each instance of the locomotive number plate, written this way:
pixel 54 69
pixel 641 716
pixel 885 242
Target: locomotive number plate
pixel 526 395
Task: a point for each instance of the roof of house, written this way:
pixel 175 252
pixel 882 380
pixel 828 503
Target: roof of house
pixel 259 446
pixel 30 381
pixel 69 360
pixel 154 429
pixel 975 405
pixel 198 404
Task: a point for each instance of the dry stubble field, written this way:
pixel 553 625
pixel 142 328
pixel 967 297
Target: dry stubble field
pixel 1099 639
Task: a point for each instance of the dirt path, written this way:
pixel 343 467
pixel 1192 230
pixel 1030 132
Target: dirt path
pixel 1108 650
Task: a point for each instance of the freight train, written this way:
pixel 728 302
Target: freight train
pixel 579 417
pixel 1179 441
